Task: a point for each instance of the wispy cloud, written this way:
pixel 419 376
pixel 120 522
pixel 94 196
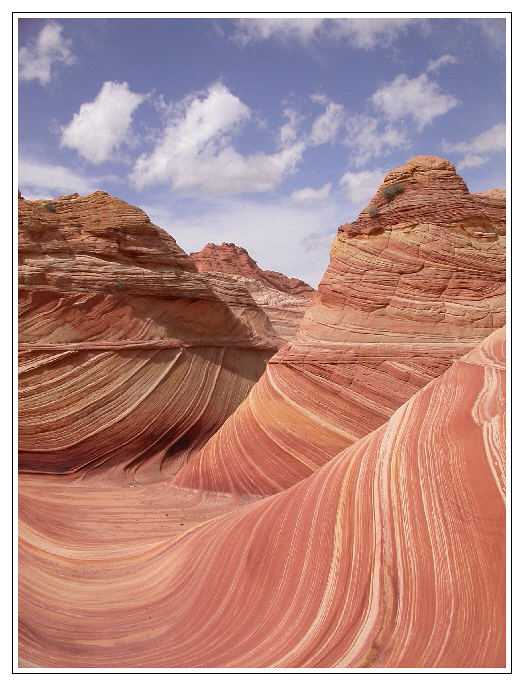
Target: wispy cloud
pixel 365 34
pixel 435 65
pixel 290 129
pixel 418 99
pixel 317 240
pixel 258 225
pixel 493 32
pixel 327 125
pixel 365 135
pixel 38 179
pixel 368 136
pixel 195 150
pixel 478 150
pixel 470 160
pixel 255 30
pixel 492 140
pixel 100 127
pixel 36 60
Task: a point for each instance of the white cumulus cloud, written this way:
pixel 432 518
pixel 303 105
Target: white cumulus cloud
pixel 195 150
pixel 361 186
pixel 418 98
pixel 35 61
pixel 309 196
pixel 100 127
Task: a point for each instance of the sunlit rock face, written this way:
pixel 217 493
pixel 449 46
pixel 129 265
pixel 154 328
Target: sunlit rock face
pixel 129 358
pixel 390 555
pixel 413 284
pixel 283 299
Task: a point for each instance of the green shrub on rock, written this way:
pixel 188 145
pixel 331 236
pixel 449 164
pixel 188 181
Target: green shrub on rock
pixel 391 191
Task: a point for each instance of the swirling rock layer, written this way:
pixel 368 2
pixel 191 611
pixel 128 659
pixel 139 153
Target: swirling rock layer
pixel 391 555
pixel 406 292
pixel 128 358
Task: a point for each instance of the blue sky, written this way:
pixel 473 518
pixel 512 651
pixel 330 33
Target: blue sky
pixel 268 133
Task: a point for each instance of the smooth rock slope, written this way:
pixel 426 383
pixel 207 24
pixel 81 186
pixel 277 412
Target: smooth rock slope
pixel 391 555
pixel 413 284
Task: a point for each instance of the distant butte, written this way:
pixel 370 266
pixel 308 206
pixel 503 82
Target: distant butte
pixel 283 299
pixel 230 259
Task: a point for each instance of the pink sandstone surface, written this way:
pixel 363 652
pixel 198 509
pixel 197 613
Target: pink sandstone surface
pixel 390 555
pixel 284 311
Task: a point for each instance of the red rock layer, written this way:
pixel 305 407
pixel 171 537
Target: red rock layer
pixel 230 259
pixel 129 359
pixel 390 556
pixel 412 285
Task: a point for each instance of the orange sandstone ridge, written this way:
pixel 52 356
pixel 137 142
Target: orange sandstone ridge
pixel 405 293
pixel 128 357
pixel 391 555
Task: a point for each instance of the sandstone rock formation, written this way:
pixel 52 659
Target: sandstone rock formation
pixel 391 555
pixel 129 358
pixel 284 300
pixel 346 510
pixel 413 284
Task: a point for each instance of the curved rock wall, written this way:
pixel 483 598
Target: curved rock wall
pixel 128 358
